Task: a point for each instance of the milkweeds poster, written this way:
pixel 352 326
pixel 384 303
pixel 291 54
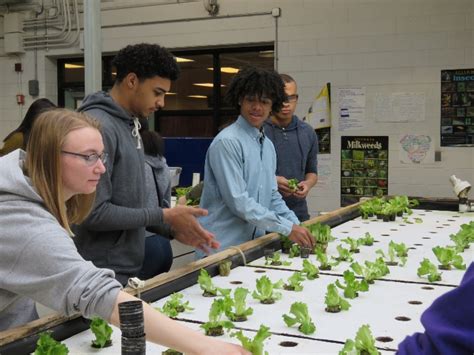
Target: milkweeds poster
pixel 364 167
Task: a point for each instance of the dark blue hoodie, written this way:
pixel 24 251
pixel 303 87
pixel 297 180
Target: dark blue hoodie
pixel 297 155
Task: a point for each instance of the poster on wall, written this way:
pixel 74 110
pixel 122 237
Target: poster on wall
pixel 319 117
pixel 416 149
pixel 364 167
pixel 457 107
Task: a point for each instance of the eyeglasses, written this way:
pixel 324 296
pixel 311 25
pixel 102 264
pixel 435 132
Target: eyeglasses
pixel 292 98
pixel 90 159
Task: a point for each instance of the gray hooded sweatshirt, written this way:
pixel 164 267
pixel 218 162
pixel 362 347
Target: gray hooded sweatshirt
pixel 113 236
pixel 38 259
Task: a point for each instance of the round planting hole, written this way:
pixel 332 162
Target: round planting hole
pixel 394 229
pixel 428 211
pixel 288 344
pixel 386 235
pixel 421 214
pixel 427 288
pixel 413 248
pixel 402 318
pixel 433 232
pixel 356 227
pixel 415 302
pixel 260 271
pixel 446 224
pixel 236 282
pixel 418 244
pixel 345 232
pixel 456 216
pixel 402 225
pixel 451 220
pixel 376 241
pixel 440 227
pixel 384 339
pixel 426 238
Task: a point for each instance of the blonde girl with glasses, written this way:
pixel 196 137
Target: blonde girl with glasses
pixel 41 194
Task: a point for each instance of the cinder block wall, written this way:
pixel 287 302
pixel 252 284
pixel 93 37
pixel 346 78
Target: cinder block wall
pixel 386 46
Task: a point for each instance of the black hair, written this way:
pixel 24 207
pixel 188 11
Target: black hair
pixel 37 107
pixel 153 143
pixel 259 82
pixel 287 78
pixel 146 61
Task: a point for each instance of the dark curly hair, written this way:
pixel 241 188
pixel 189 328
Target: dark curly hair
pixel 259 82
pixel 146 61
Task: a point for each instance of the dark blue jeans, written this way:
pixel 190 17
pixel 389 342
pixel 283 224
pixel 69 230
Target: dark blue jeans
pixel 158 257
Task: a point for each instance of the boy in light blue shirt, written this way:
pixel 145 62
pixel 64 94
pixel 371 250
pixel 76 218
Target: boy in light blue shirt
pixel 240 188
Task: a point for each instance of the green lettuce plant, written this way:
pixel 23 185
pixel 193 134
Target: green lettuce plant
pixel 428 268
pixel 334 302
pixel 265 291
pixel 352 286
pixel 344 254
pixel 353 244
pixel 364 343
pixel 216 325
pixel 102 331
pixel 294 282
pixel 324 263
pixel 366 240
pixel 46 345
pixel 293 184
pixel 310 271
pixel 301 316
pixel 236 308
pixel 209 290
pixel 255 345
pixel 275 260
pixel 175 305
pixel 295 251
pixel 448 257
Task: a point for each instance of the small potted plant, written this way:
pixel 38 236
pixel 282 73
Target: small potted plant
pixel 299 315
pixel 103 333
pixel 215 326
pixel 334 302
pixel 265 291
pixel 236 308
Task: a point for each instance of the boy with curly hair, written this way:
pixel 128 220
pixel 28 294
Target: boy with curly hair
pixel 240 188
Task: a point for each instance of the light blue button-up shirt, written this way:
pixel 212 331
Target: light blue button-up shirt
pixel 240 188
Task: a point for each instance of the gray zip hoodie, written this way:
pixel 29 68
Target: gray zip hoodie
pixel 113 236
pixel 38 259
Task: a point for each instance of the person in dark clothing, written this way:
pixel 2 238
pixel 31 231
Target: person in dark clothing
pixel 19 137
pixel 296 146
pixel 448 323
pixel 158 253
pixel 113 236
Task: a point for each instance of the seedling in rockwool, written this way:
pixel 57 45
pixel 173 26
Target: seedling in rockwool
pixel 255 345
pixel 175 305
pixel 334 302
pixel 46 345
pixel 216 325
pixel 366 240
pixel 344 254
pixel 301 316
pixel 310 270
pixel 275 260
pixel 324 263
pixel 102 331
pixel 294 282
pixel 295 251
pixel 430 269
pixel 293 184
pixel 448 257
pixel 364 343
pixel 236 308
pixel 352 286
pixel 353 244
pixel 205 283
pixel 265 291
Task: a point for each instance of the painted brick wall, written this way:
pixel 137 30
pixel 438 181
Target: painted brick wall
pixel 385 46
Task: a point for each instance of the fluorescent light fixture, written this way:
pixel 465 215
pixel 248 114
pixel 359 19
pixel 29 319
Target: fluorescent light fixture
pixel 228 70
pixel 170 93
pixel 197 96
pixel 73 66
pixel 266 54
pixel 207 85
pixel 183 60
